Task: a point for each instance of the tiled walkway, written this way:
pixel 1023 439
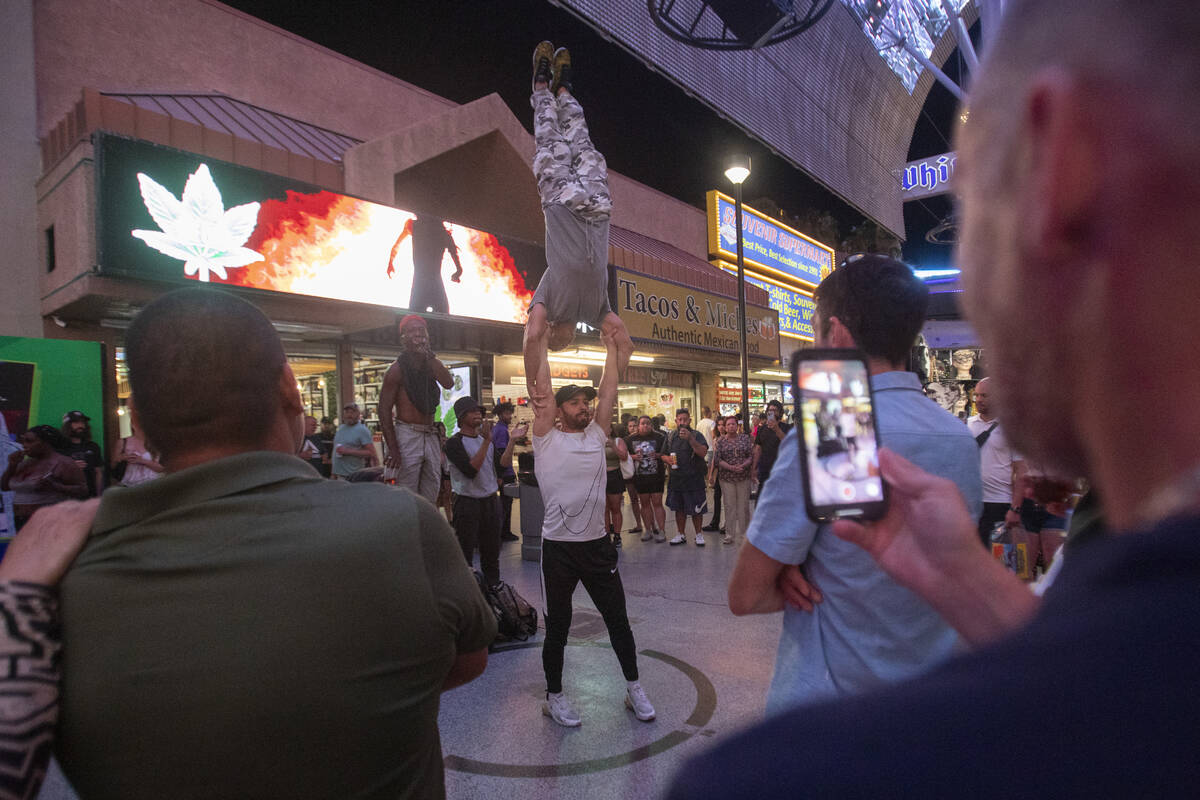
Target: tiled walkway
pixel 705 671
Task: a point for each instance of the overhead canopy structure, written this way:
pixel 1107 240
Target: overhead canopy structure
pixel 918 23
pixel 823 100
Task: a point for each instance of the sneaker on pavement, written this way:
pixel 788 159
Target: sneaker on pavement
pixel 509 536
pixel 561 68
pixel 647 536
pixel 659 537
pixel 699 540
pixel 558 708
pixel 543 55
pixel 679 539
pixel 636 529
pixel 726 539
pixel 635 701
pixel 710 528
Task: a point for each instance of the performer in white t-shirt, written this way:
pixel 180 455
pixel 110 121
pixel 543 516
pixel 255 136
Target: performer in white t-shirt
pixel 570 468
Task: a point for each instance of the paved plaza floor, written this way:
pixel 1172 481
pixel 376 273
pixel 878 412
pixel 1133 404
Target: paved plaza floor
pixel 705 671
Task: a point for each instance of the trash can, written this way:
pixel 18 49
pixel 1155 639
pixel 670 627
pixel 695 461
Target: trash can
pixel 529 495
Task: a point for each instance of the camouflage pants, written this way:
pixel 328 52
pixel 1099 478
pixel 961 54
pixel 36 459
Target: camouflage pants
pixel 569 169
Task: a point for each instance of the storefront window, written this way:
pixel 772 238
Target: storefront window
pixel 653 392
pixel 316 378
pixel 368 381
pixel 761 393
pixel 654 400
pixel 950 375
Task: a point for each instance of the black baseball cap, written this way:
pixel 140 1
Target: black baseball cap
pixel 569 391
pixel 465 405
pixel 75 416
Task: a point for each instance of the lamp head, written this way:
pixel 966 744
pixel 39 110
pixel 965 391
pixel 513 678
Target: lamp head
pixel 738 169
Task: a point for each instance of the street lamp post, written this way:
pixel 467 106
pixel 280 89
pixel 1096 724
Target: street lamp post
pixel 737 172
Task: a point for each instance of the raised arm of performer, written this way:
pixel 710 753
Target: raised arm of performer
pixel 537 371
pixel 606 396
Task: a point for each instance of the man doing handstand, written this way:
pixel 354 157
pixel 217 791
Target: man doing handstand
pixel 572 180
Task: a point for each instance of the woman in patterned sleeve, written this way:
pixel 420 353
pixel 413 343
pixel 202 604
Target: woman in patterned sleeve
pixel 32 566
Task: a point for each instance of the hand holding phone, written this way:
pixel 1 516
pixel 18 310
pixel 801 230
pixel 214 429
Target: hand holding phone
pixel 839 452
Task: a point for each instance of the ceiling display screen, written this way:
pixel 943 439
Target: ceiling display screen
pixel 921 23
pixel 169 215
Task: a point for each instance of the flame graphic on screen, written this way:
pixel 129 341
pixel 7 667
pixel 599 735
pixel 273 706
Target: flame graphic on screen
pixel 330 245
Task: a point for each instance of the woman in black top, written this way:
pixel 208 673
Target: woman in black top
pixel 646 449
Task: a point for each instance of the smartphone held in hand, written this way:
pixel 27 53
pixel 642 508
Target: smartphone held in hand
pixel 838 436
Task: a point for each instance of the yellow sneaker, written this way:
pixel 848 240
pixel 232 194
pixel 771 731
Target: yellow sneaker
pixel 543 55
pixel 561 67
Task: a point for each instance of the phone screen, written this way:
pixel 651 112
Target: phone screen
pixel 840 443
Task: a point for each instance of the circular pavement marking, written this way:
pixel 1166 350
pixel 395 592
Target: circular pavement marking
pixel 706 704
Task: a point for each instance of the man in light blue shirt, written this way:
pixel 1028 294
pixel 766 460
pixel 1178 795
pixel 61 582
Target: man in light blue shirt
pixel 856 628
pixel 353 447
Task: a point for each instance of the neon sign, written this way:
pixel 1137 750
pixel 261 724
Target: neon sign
pixel 795 307
pixel 927 177
pixel 773 247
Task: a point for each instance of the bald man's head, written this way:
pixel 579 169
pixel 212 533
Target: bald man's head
pixel 1074 132
pixel 983 399
pixel 204 367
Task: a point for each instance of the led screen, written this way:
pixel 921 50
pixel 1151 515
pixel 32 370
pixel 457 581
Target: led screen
pixel 920 22
pixel 461 388
pixel 166 214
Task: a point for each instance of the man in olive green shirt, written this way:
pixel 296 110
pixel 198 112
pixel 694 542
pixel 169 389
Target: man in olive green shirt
pixel 241 627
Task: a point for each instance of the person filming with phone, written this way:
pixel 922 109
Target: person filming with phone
pixel 847 626
pixel 767 437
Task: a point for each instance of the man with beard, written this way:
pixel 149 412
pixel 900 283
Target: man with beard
pixel 83 451
pixel 1077 136
pixel 570 467
pixel 411 388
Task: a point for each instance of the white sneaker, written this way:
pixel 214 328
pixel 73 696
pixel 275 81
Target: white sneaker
pixel 635 701
pixel 678 539
pixel 699 540
pixel 558 708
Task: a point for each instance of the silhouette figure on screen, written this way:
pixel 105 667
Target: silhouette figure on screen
pixel 430 240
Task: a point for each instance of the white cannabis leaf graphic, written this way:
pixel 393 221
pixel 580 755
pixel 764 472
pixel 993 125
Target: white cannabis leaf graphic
pixel 197 229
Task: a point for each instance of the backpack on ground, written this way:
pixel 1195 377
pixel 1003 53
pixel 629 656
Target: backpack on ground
pixel 515 617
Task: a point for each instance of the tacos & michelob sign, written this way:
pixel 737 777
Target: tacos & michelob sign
pixel 668 313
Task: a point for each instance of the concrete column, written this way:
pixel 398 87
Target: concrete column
pixel 345 377
pixel 20 165
pixel 708 383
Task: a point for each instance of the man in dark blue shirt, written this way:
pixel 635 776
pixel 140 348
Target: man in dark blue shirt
pixel 687 493
pixel 1074 140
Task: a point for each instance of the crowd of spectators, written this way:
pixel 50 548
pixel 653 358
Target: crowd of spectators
pixel 219 642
